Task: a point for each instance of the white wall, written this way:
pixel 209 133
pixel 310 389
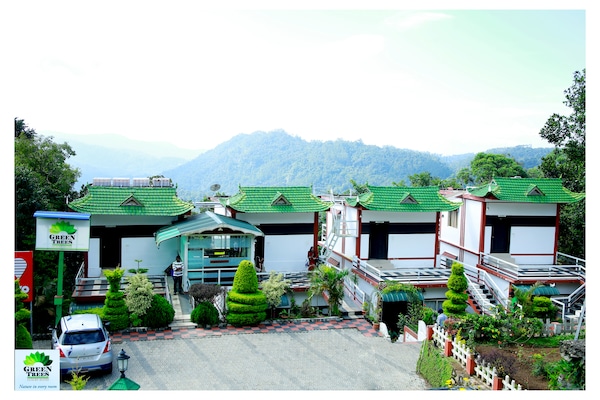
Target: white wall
pixel 287 253
pixel 155 259
pixel 532 245
pixel 411 245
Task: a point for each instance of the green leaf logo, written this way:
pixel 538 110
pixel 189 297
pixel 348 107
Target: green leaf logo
pixel 37 357
pixel 62 226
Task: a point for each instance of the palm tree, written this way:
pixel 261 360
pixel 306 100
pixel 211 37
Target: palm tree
pixel 330 280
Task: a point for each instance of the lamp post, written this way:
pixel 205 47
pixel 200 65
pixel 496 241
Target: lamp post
pixel 122 362
pixel 123 383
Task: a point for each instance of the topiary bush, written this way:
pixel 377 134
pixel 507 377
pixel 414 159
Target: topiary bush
pixel 115 310
pixel 456 303
pixel 246 305
pixel 160 314
pixel 205 313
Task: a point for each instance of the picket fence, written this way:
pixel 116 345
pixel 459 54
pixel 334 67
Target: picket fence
pixel 464 355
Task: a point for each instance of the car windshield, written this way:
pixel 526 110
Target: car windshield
pixel 87 337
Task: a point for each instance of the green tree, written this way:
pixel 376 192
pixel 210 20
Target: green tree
pixel 567 161
pixel 274 288
pixel 43 181
pixel 330 280
pixel 456 296
pixel 486 166
pixel 246 305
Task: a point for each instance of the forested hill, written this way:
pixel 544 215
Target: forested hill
pixel 279 159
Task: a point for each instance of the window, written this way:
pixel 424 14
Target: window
pixel 453 218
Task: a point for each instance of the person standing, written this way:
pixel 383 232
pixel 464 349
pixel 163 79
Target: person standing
pixel 177 275
pixel 441 317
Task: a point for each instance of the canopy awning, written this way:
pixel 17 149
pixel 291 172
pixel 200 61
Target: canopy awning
pixel 541 290
pixel 205 223
pixel 399 295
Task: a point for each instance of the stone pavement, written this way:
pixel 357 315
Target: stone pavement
pixel 321 355
pixel 318 354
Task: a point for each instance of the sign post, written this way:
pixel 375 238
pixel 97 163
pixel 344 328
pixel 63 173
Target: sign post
pixel 61 231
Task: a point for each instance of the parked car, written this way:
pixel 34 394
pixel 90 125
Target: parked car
pixel 84 344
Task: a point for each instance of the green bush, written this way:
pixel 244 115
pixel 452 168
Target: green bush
pixel 160 314
pixel 456 294
pixel 23 338
pixel 245 279
pixel 205 313
pixel 115 311
pixel 246 305
pixel 246 319
pixel 542 307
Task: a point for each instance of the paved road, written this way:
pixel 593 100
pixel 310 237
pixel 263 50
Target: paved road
pixel 296 357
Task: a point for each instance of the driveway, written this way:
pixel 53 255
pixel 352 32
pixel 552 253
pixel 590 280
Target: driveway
pixel 333 355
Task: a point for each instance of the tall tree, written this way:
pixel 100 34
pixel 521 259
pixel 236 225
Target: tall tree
pixel 567 161
pixel 486 166
pixel 43 181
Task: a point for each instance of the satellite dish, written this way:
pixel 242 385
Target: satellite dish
pixel 215 187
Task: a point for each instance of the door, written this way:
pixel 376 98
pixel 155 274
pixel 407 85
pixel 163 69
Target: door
pixel 500 236
pixel 378 240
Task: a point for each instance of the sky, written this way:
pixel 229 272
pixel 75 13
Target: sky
pixel 446 80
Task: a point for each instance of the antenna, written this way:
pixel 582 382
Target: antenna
pixel 215 187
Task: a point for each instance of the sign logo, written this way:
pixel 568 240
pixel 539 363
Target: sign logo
pixel 37 366
pixel 62 233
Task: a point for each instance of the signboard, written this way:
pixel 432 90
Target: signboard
pixel 24 272
pixel 62 231
pixel 37 369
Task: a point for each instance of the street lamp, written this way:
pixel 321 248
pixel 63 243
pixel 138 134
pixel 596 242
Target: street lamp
pixel 122 362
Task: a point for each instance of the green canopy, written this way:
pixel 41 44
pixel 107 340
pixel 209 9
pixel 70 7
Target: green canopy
pixel 396 296
pixel 540 291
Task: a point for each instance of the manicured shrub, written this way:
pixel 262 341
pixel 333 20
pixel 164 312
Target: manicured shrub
pixel 246 305
pixel 115 310
pixel 245 279
pixel 160 314
pixel 456 296
pixel 205 313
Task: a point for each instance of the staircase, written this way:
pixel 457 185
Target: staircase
pixel 183 309
pixel 339 228
pixel 481 298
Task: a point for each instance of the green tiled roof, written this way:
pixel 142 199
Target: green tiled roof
pixel 207 222
pixel 403 199
pixel 277 199
pixel 527 190
pixel 143 201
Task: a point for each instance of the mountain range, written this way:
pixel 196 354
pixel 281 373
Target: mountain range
pixel 267 159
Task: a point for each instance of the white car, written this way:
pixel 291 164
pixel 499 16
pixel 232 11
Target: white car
pixel 84 344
